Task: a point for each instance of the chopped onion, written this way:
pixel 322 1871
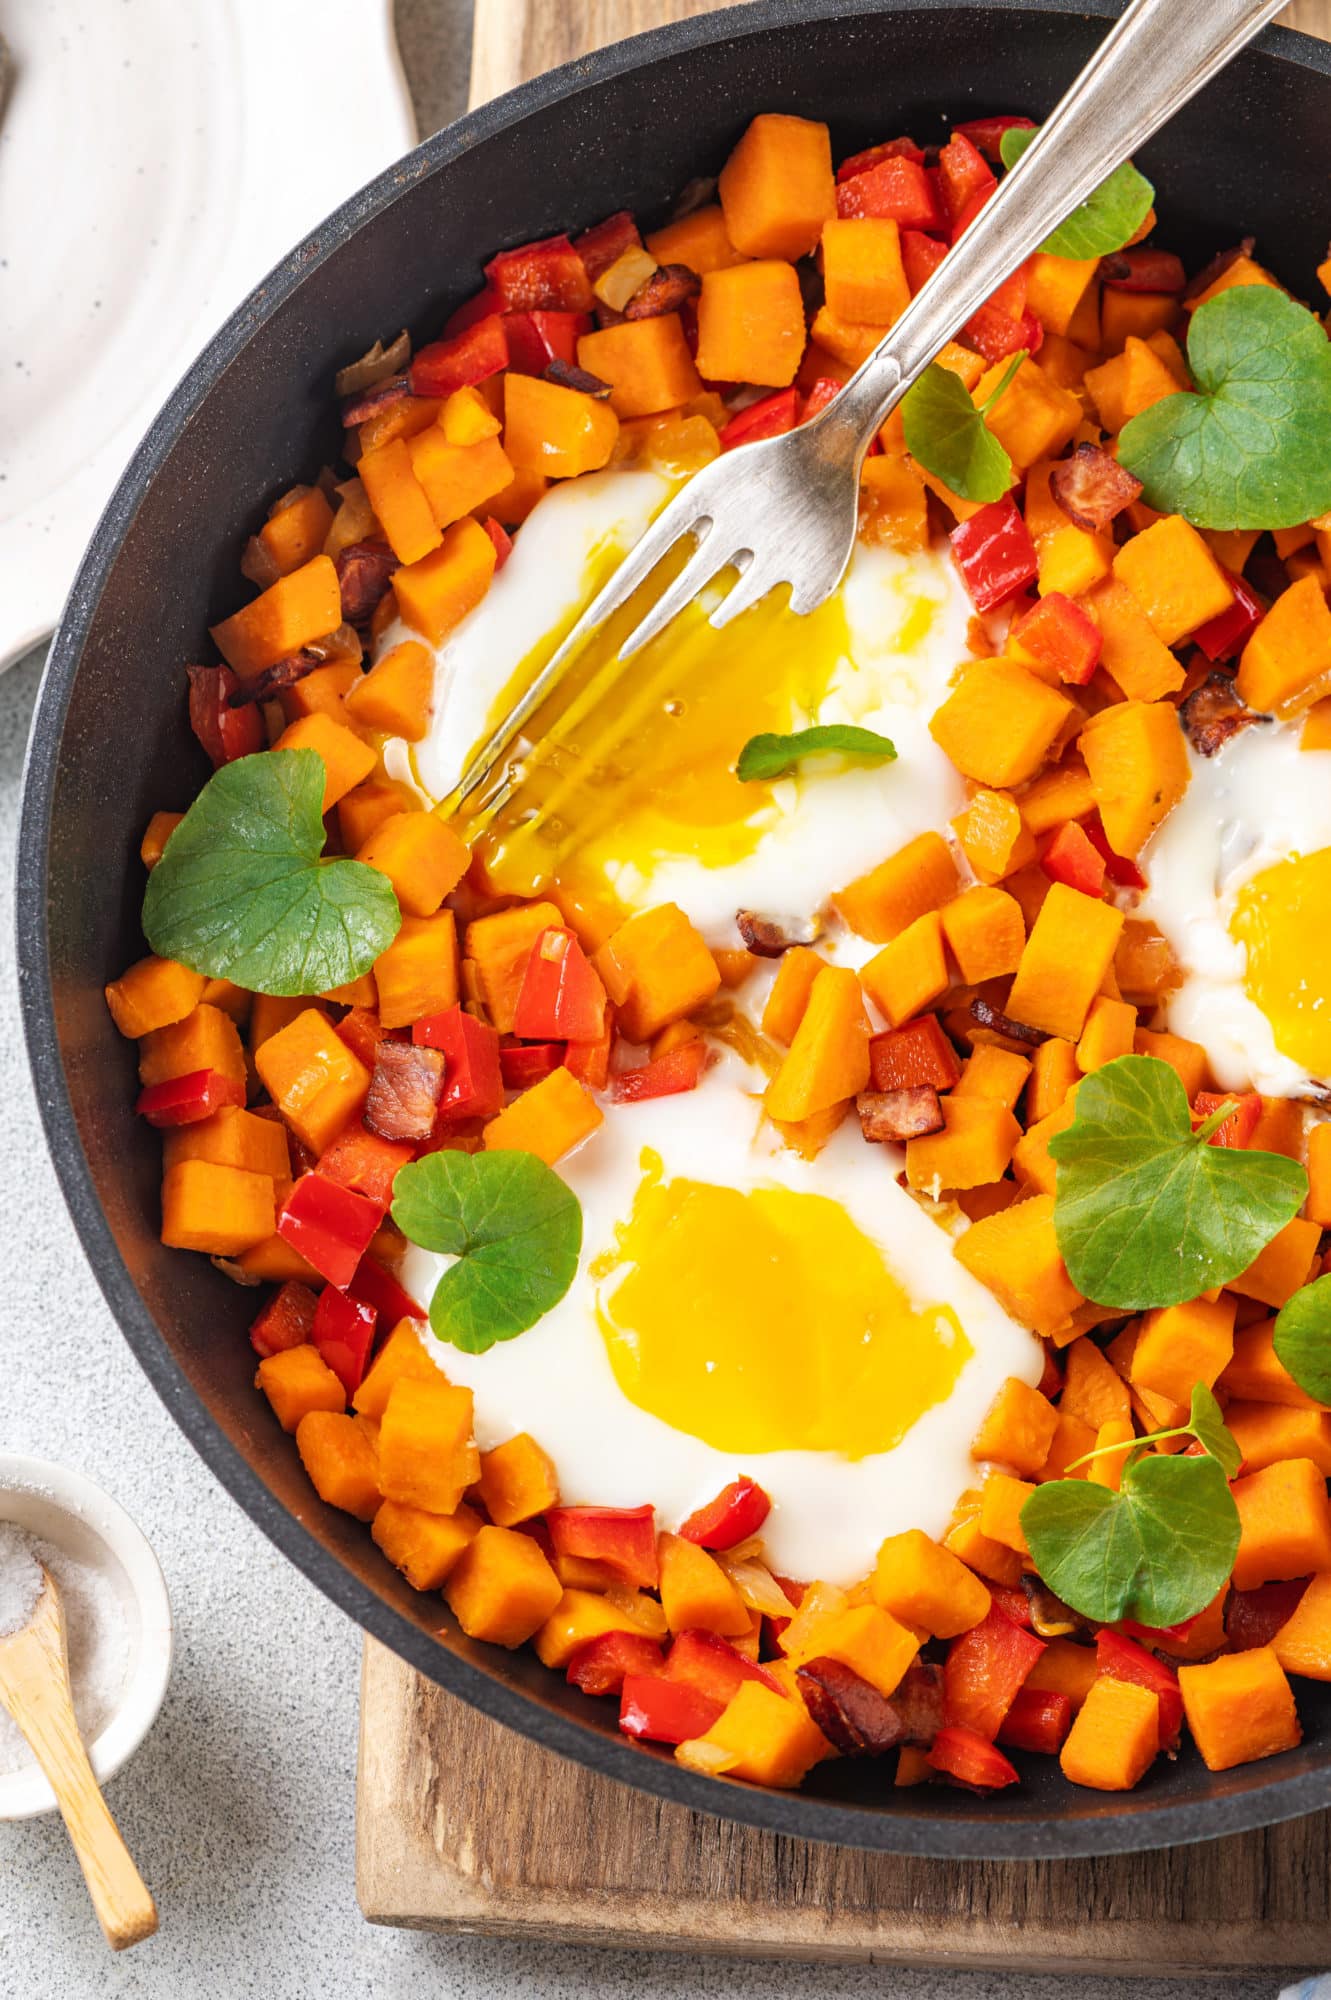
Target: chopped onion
pixel 632 267
pixel 699 1755
pixel 375 365
pixel 757 1587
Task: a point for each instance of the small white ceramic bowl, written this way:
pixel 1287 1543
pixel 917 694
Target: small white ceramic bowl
pixel 59 1505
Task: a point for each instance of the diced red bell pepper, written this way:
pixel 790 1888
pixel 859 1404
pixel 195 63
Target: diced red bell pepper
pixel 1253 1617
pixel 665 1076
pixel 971 1760
pixel 983 1670
pixel 185 1100
pixel 1013 1602
pixel 916 1053
pixel 987 134
pixel 1225 636
pixel 898 189
pixel 1237 1130
pixel 471 356
pixel 601 1665
pixel 590 1061
pixel 535 339
pixel 624 1537
pixel 994 553
pixel 1141 270
pixel 661 1711
pixel 376 1286
pixel 522 1064
pixel 1122 871
pixel 824 391
pixel 1069 857
pixel 344 1334
pixel 771 416
pixel 225 732
pixel 889 149
pixel 996 334
pixel 1162 1637
pixel 966 173
pixel 562 998
pixel 1122 1659
pixel 473 1081
pixel 601 245
pixel 1059 634
pixel 330 1225
pixel 1038 1720
pixel 286 1321
pixel 737 1512
pixel 359 1159
pixel 485 303
pixel 546 276
pixel 703 1660
pixel 920 257
pixel 503 541
pixel 971 209
pixel 361 1032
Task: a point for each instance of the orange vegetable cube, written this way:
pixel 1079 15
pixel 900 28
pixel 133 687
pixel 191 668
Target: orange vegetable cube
pixel 1187 1059
pixel 1108 1471
pixel 402 1355
pixel 1015 1252
pixel 313 1078
pixel 994 1073
pixel 656 969
pixel 399 500
pixel 1257 1375
pixel 1303 1643
pixel 517 1481
pixel 829 1057
pixel 789 993
pixel 323 692
pixel 272 1011
pixel 231 1138
pixel 1239 1708
pixel 1054 1072
pixel 152 994
pixel 1110 1030
pixel 421 856
pixel 919 877
pixel 204 1039
pixel 1279 1128
pixel 555 431
pixel 1174 577
pixel 457 478
pixel 766 1737
pixel 776 189
pixel 425 1547
pixel 1318 1206
pixel 1061 794
pixel 297 1381
pixel 155 836
pixel 985 932
pixel 909 974
pixel 232 999
pixel 1018 1429
pixel 750 324
pixel 1034 418
pixel 340 1460
pixel 1067 1668
pixel 581 1615
pixel 435 592
pixel 1285 1523
pixel 296 529
pixel 1001 1501
pixel 498 948
pixel 274 1261
pixel 298 608
pixel 466 417
pixel 1180 1346
pixel 427 1456
pixel 395 695
pixel 1066 956
pixel 550 1119
pixel 502 1589
pixel 696 1592
pixel 923 1584
pixel 368 806
pixel 698 240
pixel 1092 1389
pixel 1115 1738
pixel 964 1539
pixel 1265 1432
pixel 1032 1162
pixel 871 1642
pixel 1055 287
pixel 1000 723
pixel 418 973
pixel 1286 664
pixel 1278 1271
pixel 647 364
pixel 347 758
pixel 219 1210
pixel 994 837
pixel 862 270
pixel 1131 651
pixel 974 1147
pixel 1244 270
pixel 894 508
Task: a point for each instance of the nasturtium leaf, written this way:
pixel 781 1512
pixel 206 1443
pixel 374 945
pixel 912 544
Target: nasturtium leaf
pixel 1106 220
pixel 1252 447
pixel 513 1226
pixel 1206 1421
pixel 241 892
pixel 947 434
pixel 773 756
pixel 1158 1550
pixel 1303 1338
pixel 1146 1212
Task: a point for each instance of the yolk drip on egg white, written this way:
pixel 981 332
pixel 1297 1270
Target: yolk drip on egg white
pixel 766 1320
pixel 1283 918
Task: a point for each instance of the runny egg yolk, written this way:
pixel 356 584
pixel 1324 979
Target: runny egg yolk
pixel 1283 916
pixel 766 1320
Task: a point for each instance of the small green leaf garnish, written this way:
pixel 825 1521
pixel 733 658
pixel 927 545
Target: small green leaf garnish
pixel 948 435
pixel 1158 1550
pixel 1106 220
pixel 772 756
pixel 1146 1212
pixel 1252 447
pixel 1206 1423
pixel 515 1229
pixel 1303 1338
pixel 241 891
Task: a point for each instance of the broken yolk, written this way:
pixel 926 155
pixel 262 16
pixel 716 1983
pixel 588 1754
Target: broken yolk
pixel 766 1320
pixel 1283 916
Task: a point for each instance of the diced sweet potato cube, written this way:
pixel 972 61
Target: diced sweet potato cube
pixel 1239 1708
pixel 204 1039
pixel 862 271
pixel 1115 1738
pixel 909 974
pixel 1000 722
pixel 425 1547
pixel 696 1592
pixel 974 1147
pixel 421 856
pixel 427 1456
pixel 656 969
pixel 1109 1032
pixel 219 1210
pixel 418 973
pixel 1015 1253
pixel 699 241
pixel 871 1642
pixel 300 607
pixel 1285 1523
pixel 347 757
pixel 297 1381
pixel 750 324
pixel 502 1589
pixel 1001 1501
pixel 458 478
pixel 517 1481
pixel 994 836
pixel 1265 1432
pixel 1256 1373
pixel 581 1615
pixel 1032 1162
pixel 1054 1072
pixel 923 1584
pixel 1018 1429
pixel 776 189
pixel 1065 1667
pixel 560 432
pixel 768 1738
pixel 966 1540
pixel 1286 1263
pixel 231 1138
pixel 1034 418
pixel 499 947
pixel 1092 1389
pixel 395 695
pixel 1303 1643
pixel 313 1078
pixel 340 1460
pixel 153 993
pixel 1179 1346
pixel 401 1356
pixel 436 592
pixel 1138 760
pixel 1132 652
pixel 789 993
pixel 400 502
pixel 985 933
pixel 1072 1440
pixel 919 877
pixel 1069 950
pixel 1286 664
pixel 1187 1059
pixel 828 1060
pixel 646 362
pixel 1055 287
pixel 1174 577
pixel 550 1119
pixel 1318 1207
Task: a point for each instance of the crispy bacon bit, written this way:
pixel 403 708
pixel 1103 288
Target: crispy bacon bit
pixel 375 366
pixel 665 291
pixel 567 376
pixel 893 1116
pixel 404 1090
pixel 985 1015
pixel 853 1716
pixel 768 937
pixel 364 572
pixel 1142 270
pixel 1092 488
pixel 282 674
pixel 371 402
pixel 1218 266
pixel 918 1700
pixel 1213 713
pixel 1050 1616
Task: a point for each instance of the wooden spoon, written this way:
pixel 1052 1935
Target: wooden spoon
pixel 34 1687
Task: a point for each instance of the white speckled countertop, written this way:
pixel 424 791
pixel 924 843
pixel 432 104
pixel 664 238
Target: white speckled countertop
pixel 240 1806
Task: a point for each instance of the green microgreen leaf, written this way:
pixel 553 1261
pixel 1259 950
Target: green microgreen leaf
pixel 1106 220
pixel 241 892
pixel 1158 1550
pixel 1146 1212
pixel 947 434
pixel 772 756
pixel 1206 1423
pixel 512 1224
pixel 1303 1338
pixel 1252 447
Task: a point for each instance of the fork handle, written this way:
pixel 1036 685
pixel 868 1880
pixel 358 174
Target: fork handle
pixel 1160 54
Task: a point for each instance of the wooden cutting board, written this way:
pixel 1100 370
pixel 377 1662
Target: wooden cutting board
pixel 464 1826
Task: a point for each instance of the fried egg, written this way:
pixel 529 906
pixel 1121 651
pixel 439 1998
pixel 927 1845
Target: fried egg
pixel 1240 884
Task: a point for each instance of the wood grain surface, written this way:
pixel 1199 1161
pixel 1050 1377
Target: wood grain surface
pixel 463 1826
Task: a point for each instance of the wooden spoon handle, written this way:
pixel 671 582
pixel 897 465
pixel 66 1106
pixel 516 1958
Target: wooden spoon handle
pixel 124 1906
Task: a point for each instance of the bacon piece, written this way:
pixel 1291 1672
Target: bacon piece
pixel 282 674
pixel 1092 488
pixel 918 1700
pixel 765 937
pixel 1218 266
pixel 364 572
pixel 1141 270
pixel 566 376
pixel 664 292
pixel 372 402
pixel 404 1090
pixel 986 1015
pixel 1213 713
pixel 893 1116
pixel 853 1716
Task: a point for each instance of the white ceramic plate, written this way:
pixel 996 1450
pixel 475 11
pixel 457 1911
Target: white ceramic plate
pixel 157 157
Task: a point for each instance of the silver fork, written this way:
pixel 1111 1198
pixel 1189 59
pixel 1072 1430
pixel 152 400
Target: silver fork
pixel 784 510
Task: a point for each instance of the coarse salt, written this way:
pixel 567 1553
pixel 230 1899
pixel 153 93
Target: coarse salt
pixel 96 1632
